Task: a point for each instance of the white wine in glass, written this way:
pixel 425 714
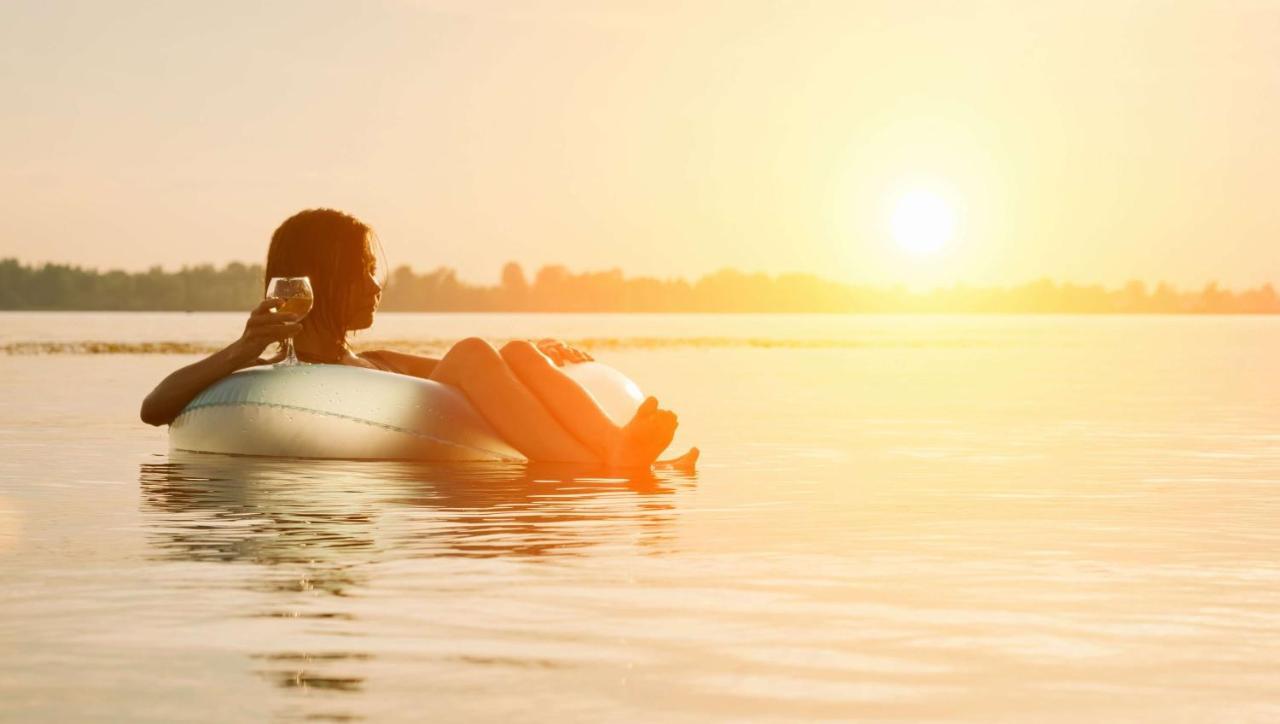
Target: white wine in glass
pixel 295 295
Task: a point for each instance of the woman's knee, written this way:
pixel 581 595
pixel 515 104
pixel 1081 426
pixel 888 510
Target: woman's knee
pixel 518 352
pixel 472 347
pixel 474 352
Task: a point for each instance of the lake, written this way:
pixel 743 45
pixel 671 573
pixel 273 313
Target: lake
pixel 895 518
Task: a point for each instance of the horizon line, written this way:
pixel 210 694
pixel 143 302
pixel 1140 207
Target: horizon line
pixel 692 278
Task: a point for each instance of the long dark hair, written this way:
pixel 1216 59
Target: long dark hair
pixel 335 250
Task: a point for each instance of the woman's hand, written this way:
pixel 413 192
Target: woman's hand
pixel 173 393
pixel 561 353
pixel 265 327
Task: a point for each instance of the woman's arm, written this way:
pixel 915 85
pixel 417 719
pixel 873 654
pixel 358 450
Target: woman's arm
pixel 264 327
pixel 405 364
pixel 417 366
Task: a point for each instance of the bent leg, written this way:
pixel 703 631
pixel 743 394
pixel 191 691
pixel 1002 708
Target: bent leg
pixel 575 408
pixel 476 368
pixel 637 443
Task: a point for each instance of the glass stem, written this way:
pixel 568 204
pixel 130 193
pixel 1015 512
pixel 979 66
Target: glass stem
pixel 289 357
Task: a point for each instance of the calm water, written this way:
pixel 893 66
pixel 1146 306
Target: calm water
pixel 895 519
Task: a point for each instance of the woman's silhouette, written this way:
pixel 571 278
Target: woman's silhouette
pixel 519 389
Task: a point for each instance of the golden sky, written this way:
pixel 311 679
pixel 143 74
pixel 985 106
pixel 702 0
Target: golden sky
pixel 1087 141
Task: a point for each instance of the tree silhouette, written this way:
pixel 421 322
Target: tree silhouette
pixel 556 289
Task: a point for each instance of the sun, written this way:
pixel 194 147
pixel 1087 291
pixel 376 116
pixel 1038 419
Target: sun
pixel 922 222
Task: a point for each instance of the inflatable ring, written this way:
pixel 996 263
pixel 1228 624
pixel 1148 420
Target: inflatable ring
pixel 353 413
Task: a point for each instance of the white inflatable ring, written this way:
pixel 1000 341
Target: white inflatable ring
pixel 351 413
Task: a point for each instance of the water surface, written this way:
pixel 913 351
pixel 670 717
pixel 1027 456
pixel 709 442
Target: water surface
pixel 897 518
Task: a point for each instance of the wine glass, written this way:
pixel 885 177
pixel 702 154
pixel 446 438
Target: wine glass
pixel 295 293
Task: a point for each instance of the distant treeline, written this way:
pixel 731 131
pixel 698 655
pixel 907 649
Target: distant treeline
pixel 556 289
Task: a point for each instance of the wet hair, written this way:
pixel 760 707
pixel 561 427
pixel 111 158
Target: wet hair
pixel 336 251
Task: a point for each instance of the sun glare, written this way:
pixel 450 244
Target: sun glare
pixel 922 222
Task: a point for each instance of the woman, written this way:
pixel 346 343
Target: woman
pixel 538 409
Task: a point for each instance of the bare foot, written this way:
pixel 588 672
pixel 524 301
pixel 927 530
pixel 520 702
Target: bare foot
pixel 641 441
pixel 686 462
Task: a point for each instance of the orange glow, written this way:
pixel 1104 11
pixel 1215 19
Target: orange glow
pixel 1081 143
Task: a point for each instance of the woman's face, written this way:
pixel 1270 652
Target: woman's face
pixel 365 297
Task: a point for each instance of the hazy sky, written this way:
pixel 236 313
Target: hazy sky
pixel 1088 141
